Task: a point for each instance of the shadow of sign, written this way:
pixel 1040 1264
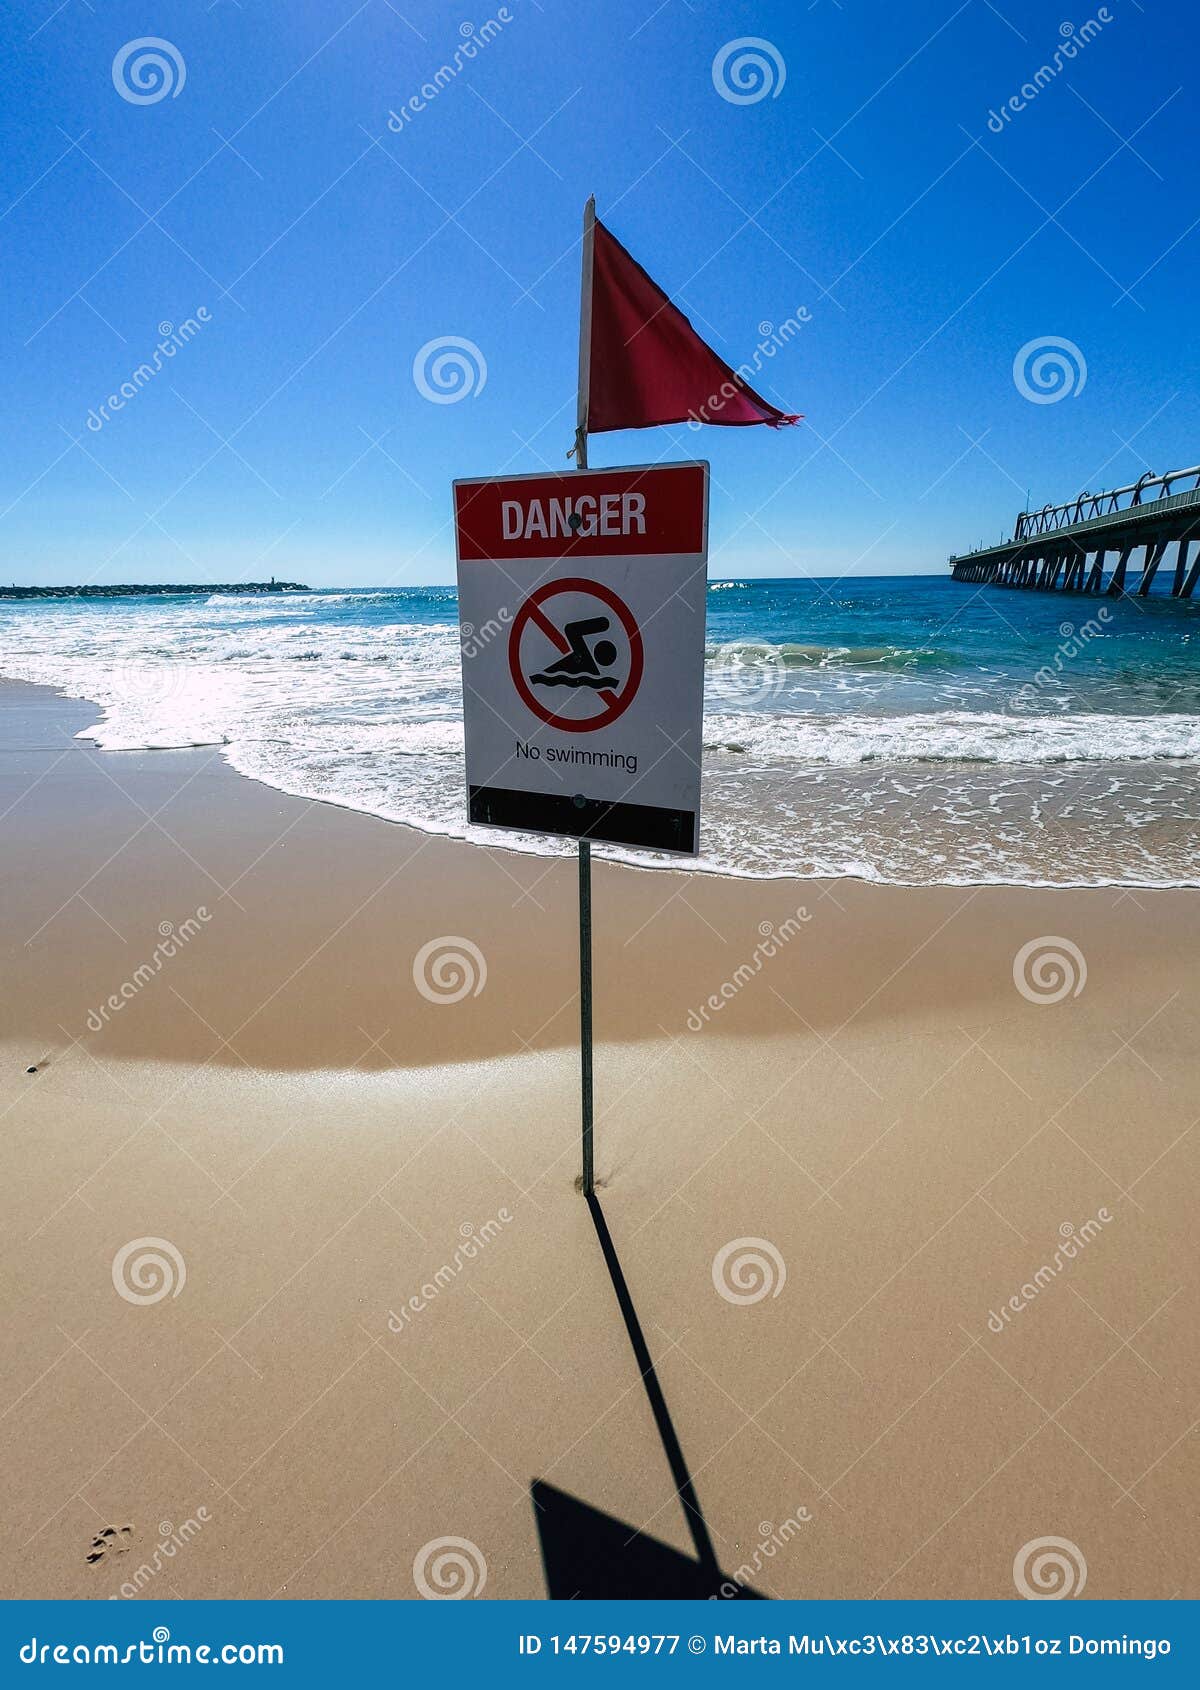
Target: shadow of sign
pixel 587 1553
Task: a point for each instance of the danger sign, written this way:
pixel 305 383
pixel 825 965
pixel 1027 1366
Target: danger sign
pixel 581 606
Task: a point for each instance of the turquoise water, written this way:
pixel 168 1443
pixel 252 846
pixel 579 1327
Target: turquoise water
pixel 928 644
pixel 899 728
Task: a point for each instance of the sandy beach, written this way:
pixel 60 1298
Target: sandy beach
pixel 910 1248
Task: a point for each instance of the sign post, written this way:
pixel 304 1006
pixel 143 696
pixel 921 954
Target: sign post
pixel 582 601
pixel 587 248
pixel 585 1011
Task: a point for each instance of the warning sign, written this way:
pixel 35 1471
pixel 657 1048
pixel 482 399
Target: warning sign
pixel 581 606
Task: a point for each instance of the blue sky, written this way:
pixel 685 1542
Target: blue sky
pixel 865 188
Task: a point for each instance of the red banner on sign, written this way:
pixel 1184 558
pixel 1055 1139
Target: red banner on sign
pixel 652 511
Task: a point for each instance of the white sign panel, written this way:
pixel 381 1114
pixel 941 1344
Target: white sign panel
pixel 581 601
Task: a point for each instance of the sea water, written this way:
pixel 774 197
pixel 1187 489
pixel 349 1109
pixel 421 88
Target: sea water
pixel 902 729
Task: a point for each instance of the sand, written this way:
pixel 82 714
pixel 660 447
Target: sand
pixel 215 984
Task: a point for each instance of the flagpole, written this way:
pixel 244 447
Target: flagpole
pixel 585 847
pixel 585 332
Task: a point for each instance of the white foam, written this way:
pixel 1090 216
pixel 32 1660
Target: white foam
pixel 954 736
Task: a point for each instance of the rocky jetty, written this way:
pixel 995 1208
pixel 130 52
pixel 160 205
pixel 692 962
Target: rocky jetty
pixel 153 589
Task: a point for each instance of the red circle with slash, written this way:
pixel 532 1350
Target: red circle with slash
pixel 616 703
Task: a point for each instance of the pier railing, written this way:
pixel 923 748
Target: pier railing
pixel 1089 505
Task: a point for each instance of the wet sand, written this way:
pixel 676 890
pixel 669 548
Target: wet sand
pixel 215 983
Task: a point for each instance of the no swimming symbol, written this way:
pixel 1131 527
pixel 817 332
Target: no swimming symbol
pixel 585 649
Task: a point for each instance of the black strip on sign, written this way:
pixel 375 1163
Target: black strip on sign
pixel 647 825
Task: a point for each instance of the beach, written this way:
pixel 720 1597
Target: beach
pixel 904 1213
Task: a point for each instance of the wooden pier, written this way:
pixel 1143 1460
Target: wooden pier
pixel 1064 547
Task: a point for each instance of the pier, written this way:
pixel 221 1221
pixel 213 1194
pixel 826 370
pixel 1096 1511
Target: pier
pixel 1065 547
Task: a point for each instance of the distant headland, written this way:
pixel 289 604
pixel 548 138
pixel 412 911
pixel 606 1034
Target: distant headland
pixel 153 589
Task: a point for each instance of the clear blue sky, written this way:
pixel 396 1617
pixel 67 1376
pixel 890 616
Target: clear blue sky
pixel 327 250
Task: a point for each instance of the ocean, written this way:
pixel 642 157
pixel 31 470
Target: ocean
pixel 900 729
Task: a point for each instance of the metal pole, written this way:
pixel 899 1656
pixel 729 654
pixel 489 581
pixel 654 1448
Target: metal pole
pixel 585 848
pixel 585 333
pixel 585 1008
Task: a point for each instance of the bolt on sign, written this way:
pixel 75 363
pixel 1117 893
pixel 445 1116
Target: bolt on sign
pixel 581 602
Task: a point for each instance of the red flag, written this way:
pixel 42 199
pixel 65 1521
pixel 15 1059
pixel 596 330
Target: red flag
pixel 647 363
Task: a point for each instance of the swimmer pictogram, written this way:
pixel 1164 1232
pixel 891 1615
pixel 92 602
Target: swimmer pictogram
pixel 599 654
pixel 582 665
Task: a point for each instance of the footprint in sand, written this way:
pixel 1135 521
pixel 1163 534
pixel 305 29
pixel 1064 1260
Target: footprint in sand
pixel 113 1540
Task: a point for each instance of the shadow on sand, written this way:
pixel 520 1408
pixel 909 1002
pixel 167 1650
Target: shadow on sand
pixel 586 1553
